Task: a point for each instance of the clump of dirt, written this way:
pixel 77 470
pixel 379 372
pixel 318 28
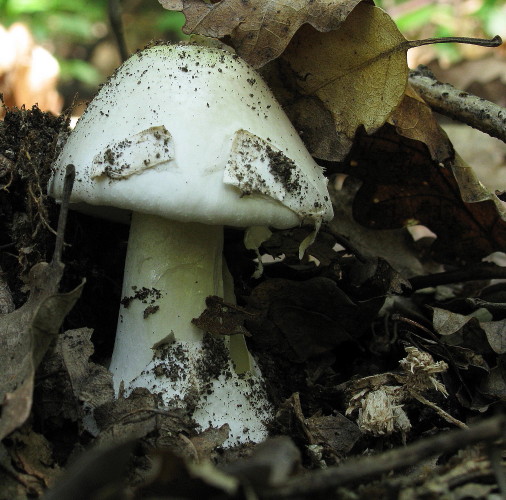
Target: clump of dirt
pixel 28 144
pixel 214 362
pixel 146 296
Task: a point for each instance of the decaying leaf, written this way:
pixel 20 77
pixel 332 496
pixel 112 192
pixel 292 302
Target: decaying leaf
pixel 305 319
pixel 333 434
pixel 358 71
pixel 98 473
pixel 32 453
pixel 71 385
pixel 221 318
pixel 403 186
pixel 453 326
pixel 25 336
pixel 396 246
pixel 415 120
pixel 259 30
pixel 137 416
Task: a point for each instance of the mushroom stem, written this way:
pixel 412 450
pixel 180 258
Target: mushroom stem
pixel 171 267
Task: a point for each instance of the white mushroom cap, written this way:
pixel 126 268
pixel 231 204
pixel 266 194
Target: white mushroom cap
pixel 193 133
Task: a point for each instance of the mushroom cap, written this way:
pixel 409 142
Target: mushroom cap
pixel 192 133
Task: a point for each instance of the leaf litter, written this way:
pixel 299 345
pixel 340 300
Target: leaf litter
pixel 343 329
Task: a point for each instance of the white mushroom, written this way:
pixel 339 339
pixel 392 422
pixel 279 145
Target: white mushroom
pixel 189 139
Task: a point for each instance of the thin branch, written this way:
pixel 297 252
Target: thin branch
pixel 363 469
pixel 117 28
pixel 68 183
pixel 458 105
pixel 443 414
pixel 481 271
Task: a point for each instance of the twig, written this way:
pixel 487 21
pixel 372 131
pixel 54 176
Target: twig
pixel 117 28
pixel 443 414
pixel 466 108
pixel 68 183
pixel 363 469
pixel 482 271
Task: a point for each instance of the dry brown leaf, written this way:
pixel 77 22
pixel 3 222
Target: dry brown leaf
pixel 332 83
pixel 222 318
pixel 28 460
pixel 394 245
pixel 414 119
pixel 335 432
pixel 80 384
pixel 403 186
pixel 259 30
pixel 25 336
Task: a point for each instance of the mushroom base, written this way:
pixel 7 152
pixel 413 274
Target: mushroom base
pixel 171 267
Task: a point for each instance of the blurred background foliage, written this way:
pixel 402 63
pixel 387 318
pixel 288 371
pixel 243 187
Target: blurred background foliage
pixel 418 19
pixel 78 35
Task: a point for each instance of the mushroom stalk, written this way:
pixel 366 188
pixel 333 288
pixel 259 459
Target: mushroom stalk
pixel 170 269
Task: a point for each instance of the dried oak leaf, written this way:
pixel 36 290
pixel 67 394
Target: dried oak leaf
pixel 454 326
pixel 414 119
pixel 70 384
pixel 331 83
pixel 259 30
pixel 403 186
pixel 25 336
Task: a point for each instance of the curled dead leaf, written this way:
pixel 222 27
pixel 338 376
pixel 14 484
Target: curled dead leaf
pixel 260 30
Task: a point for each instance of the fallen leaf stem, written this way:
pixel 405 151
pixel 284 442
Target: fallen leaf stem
pixel 68 183
pixel 482 42
pixel 467 108
pixel 397 459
